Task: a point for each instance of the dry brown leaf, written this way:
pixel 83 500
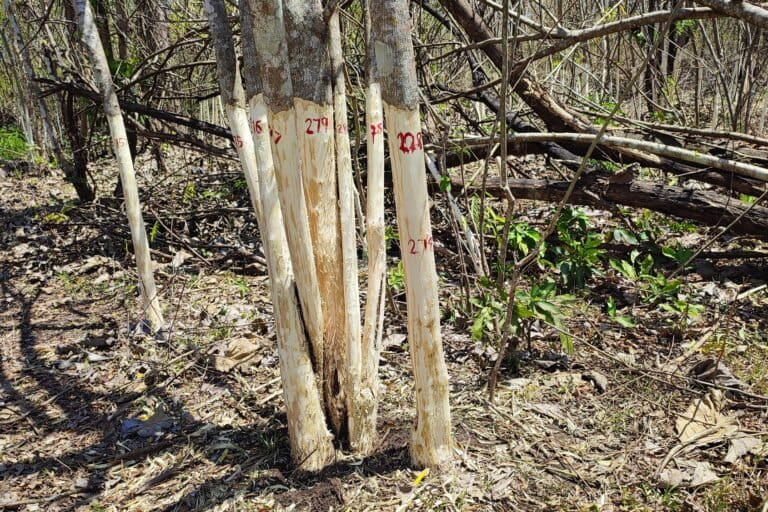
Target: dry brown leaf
pixel 703 423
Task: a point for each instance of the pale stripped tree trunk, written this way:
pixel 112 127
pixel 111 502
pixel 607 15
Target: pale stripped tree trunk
pixel 311 447
pixel 395 69
pixel 309 61
pixel 272 54
pixel 377 262
pixel 103 80
pixel 361 402
pixel 22 52
pixel 21 93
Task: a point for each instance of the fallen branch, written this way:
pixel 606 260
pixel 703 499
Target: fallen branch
pixel 740 168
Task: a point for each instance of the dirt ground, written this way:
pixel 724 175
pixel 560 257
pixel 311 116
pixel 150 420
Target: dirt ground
pixel 97 417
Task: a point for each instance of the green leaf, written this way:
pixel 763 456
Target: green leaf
pixel 567 343
pixel 625 236
pixel 154 231
pixel 625 321
pixel 445 183
pixel 548 308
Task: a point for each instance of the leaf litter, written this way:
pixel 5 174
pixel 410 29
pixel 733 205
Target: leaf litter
pixel 195 421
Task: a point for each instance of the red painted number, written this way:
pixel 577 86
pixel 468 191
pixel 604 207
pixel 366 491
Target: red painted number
pixel 341 127
pixel 316 125
pixel 420 245
pixel 256 126
pixel 120 142
pixel 376 129
pixel 238 141
pixel 276 135
pixel 409 142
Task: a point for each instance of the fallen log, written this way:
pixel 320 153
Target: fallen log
pixel 470 150
pixel 704 206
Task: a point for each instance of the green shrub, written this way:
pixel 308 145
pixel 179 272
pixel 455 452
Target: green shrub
pixel 12 143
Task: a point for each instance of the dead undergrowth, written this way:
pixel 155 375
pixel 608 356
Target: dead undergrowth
pixel 95 416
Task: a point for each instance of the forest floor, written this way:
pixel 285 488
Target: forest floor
pixel 96 417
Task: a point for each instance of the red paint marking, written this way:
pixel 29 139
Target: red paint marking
pixel 420 245
pixel 120 142
pixel 341 127
pixel 276 135
pixel 256 126
pixel 409 143
pixel 238 141
pixel 316 125
pixel 376 129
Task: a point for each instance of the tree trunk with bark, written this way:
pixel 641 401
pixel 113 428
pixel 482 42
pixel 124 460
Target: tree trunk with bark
pixel 395 69
pixel 311 447
pixel 233 96
pixel 103 79
pixel 309 61
pixel 272 54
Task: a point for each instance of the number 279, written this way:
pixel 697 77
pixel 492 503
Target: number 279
pixel 420 245
pixel 316 125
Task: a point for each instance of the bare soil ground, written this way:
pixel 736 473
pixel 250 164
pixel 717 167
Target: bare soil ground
pixel 96 417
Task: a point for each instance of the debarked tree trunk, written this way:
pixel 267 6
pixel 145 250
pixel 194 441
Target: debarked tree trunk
pixel 395 69
pixel 308 47
pixel 104 82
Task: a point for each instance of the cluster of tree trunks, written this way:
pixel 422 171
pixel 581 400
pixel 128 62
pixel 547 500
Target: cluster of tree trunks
pixel 295 153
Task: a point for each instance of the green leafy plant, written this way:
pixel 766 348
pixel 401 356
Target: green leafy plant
pixel 154 231
pixel 190 192
pixel 625 236
pixel 489 307
pixel 678 253
pixel 522 238
pixel 541 301
pixel 653 284
pixel 390 234
pixel 445 183
pixel 683 26
pixel 747 198
pixel 213 193
pixel 242 286
pixel 622 320
pixel 578 255
pixel 12 143
pixel 396 277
